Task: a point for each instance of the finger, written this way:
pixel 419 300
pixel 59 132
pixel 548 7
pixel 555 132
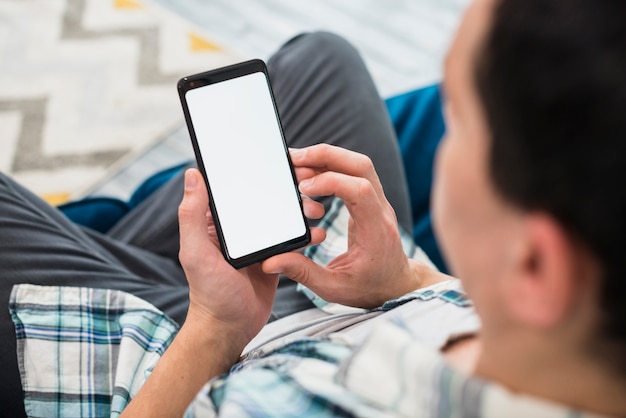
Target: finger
pixel 195 242
pixel 358 193
pixel 318 235
pixel 300 269
pixel 312 209
pixel 325 157
pixel 303 173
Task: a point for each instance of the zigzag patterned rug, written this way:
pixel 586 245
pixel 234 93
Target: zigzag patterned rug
pixel 87 84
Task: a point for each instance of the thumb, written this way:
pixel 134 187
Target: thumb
pixel 195 242
pixel 300 269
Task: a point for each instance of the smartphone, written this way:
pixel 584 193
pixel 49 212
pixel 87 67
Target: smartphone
pixel 240 148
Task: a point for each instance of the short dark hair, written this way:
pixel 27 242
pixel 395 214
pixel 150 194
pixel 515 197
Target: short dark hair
pixel 551 75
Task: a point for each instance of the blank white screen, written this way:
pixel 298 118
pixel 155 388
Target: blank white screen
pixel 246 164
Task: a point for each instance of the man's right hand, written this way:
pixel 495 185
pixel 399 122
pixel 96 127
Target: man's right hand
pixel 374 268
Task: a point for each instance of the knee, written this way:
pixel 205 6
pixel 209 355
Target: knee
pixel 322 42
pixel 316 48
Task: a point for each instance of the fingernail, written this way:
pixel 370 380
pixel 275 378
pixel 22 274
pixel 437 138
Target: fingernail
pixel 306 183
pixel 190 180
pixel 296 152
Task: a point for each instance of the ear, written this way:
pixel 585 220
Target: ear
pixel 542 288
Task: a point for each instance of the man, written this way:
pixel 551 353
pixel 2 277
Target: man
pixel 528 210
pixel 535 103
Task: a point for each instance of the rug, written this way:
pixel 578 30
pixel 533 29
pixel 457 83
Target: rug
pixel 85 85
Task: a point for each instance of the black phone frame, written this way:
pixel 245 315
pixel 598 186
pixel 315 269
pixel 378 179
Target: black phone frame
pixel 218 75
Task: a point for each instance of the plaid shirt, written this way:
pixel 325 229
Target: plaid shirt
pixel 87 352
pixel 392 374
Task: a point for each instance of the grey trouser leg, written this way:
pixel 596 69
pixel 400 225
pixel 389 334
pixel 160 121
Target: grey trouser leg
pixel 39 245
pixel 324 94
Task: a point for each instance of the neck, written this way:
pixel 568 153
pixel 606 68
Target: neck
pixel 552 374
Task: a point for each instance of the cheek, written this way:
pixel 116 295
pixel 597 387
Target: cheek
pixel 470 229
pixel 461 215
pixel 439 193
pixel 450 201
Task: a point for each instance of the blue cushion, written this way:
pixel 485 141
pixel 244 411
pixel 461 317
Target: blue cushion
pixel 97 213
pixel 153 183
pixel 418 122
pixel 101 213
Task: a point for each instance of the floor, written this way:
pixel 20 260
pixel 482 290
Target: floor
pixel 403 43
pixel 86 85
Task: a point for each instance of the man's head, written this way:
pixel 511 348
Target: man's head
pixel 529 200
